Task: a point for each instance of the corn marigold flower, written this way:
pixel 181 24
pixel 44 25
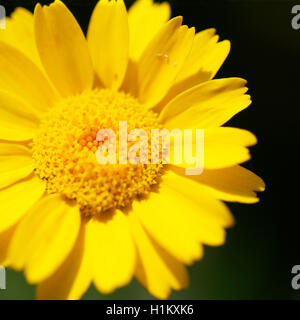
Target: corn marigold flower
pixel 68 221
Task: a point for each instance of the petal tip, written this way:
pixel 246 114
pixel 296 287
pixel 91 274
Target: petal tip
pixel 37 8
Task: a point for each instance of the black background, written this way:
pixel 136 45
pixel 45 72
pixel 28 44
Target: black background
pixel 261 249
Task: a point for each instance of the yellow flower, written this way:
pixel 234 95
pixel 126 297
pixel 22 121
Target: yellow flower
pixel 66 220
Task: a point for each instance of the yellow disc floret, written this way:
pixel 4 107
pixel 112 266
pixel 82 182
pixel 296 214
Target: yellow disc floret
pixel 65 149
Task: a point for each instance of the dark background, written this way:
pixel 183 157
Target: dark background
pixel 264 245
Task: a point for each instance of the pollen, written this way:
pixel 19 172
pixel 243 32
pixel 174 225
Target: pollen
pixel 64 151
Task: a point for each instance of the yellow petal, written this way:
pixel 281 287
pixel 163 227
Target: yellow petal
pixel 162 60
pixel 156 270
pixel 202 69
pixel 216 58
pixel 235 184
pixel 210 104
pixel 223 147
pixel 207 56
pixel 44 238
pixel 203 44
pixel 18 121
pixel 63 49
pixel 22 78
pixel 15 163
pixel 5 239
pixel 218 156
pixel 130 83
pixel 178 224
pixel 226 147
pixel 19 34
pixel 209 207
pixel 108 38
pixel 229 135
pixel 145 20
pixel 112 256
pixel 72 279
pixel 16 200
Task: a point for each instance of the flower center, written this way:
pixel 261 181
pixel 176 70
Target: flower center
pixel 65 149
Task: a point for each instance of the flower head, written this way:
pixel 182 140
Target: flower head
pixel 67 220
